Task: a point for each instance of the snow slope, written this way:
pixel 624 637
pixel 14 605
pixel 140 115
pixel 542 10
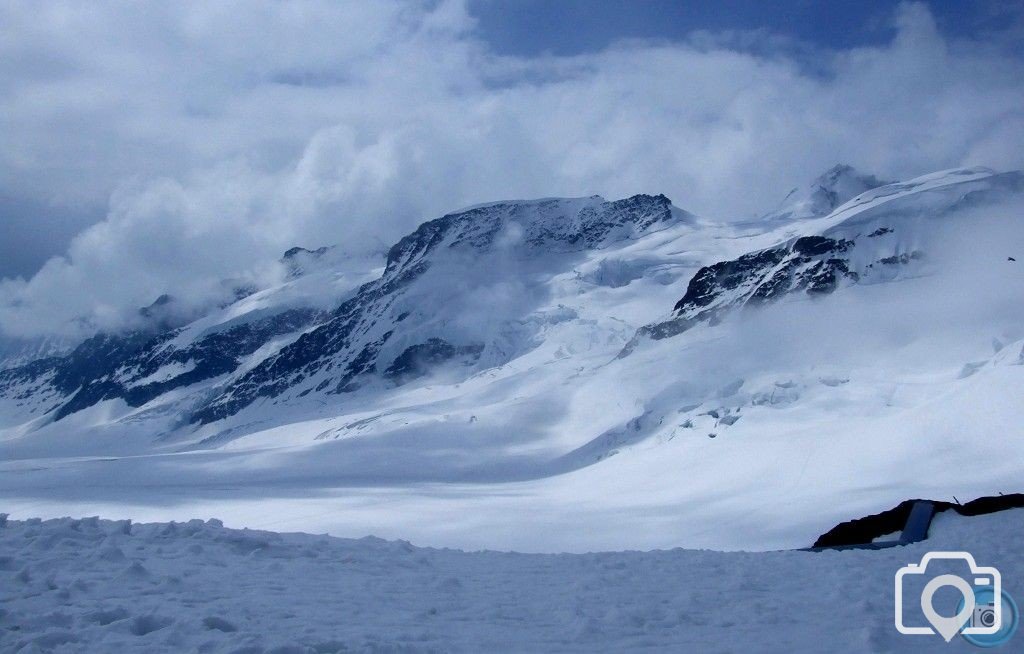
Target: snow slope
pixel 99 586
pixel 480 392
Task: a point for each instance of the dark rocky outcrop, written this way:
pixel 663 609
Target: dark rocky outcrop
pixel 810 264
pixel 864 530
pixel 297 259
pixel 112 366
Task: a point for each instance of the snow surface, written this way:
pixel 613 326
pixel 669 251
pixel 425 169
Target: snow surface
pixel 99 586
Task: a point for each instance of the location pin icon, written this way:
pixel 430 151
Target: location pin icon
pixel 947 627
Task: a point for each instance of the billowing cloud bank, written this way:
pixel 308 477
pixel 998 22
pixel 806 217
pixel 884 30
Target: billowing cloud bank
pixel 221 134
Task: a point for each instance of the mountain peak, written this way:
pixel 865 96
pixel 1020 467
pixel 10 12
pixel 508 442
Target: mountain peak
pixel 837 185
pixel 298 260
pixel 824 193
pixel 549 224
pixel 291 253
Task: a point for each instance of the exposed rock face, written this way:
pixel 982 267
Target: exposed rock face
pixel 417 360
pixel 128 366
pixel 811 264
pixel 45 383
pixel 814 264
pixel 137 378
pixel 298 259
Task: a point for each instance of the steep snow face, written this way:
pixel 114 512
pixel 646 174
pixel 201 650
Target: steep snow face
pixel 819 368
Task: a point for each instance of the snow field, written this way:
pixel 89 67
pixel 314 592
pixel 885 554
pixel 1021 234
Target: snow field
pixel 94 585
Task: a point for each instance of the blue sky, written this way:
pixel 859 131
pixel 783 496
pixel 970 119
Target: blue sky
pixel 571 27
pixel 153 148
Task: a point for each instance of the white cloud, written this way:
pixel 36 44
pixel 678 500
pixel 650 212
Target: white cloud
pixel 224 133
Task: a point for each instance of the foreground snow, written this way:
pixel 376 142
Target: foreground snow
pixel 100 586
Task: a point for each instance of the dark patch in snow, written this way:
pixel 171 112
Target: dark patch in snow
pixel 418 360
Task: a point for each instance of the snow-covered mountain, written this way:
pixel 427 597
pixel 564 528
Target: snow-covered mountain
pixel 877 236
pixel 822 195
pixel 624 369
pixel 16 352
pixel 456 288
pixel 392 328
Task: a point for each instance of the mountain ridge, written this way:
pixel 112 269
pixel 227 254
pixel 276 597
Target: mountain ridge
pixel 331 350
pixel 500 392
